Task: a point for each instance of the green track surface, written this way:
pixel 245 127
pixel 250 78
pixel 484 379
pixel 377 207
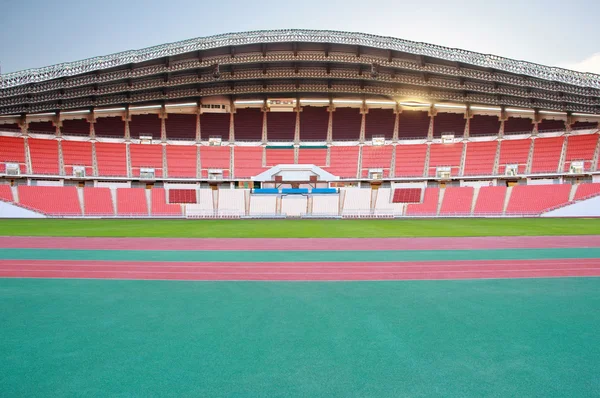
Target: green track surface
pixel 298 256
pixel 479 338
pixel 300 228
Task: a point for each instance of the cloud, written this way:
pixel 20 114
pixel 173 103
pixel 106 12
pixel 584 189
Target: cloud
pixel 589 64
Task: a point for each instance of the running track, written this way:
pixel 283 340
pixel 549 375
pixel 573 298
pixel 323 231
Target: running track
pixel 295 271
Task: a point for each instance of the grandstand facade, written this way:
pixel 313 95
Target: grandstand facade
pixel 301 124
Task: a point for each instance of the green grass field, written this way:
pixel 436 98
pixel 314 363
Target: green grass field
pixel 300 228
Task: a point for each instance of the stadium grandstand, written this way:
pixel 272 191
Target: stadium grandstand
pixel 299 123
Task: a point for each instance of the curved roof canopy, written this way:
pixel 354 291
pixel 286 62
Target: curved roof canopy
pixel 293 62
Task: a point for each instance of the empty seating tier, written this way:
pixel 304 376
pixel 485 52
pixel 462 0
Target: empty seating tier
pixel 282 155
pixel 514 152
pixel 12 150
pixel 316 156
pixel 585 191
pixel 132 202
pixel 484 125
pixel 248 124
pixel 145 125
pixel 183 126
pixel 413 124
pixel 581 148
pixel 457 201
pixel 407 195
pixel 112 159
pixel 160 207
pixel 376 157
pixel 343 161
pixel 480 157
pixel 447 155
pixel 55 201
pixel 429 205
pixel 146 156
pixel 214 157
pixel 77 153
pixel 44 156
pixel 546 154
pixel 41 127
pixel 516 125
pixel 584 126
pixel 281 125
pixel 551 125
pixel 110 127
pixel 182 196
pixel 182 161
pixel 449 123
pixel 490 201
pixel 314 122
pixel 216 124
pixel 248 161
pixel 410 160
pixel 380 122
pixel 535 199
pixel 98 202
pixel 79 127
pixel 346 124
pixel 6 193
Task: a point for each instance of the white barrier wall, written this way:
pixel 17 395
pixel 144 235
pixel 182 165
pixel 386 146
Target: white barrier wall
pixel 8 210
pixel 384 202
pixel 294 206
pixel 357 199
pixel 263 205
pixel 327 205
pixel 232 200
pixel 584 208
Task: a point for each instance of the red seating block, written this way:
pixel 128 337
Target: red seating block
pixel 490 201
pixel 343 161
pixel 480 157
pixel 535 199
pixel 44 156
pixel 181 161
pixel 146 156
pixel 279 156
pixel 56 201
pixel 316 156
pixel 480 125
pixel 183 126
pixel 77 153
pixel 376 157
pixel 516 125
pixel 132 202
pixel 546 154
pixel 248 161
pixel 449 123
pixel 413 124
pixel 410 160
pixel 112 159
pixel 217 124
pixel 6 193
pixel 182 196
pixel 457 201
pixel 585 191
pixel 314 122
pixel 429 205
pixel 160 207
pixel 12 150
pixel 407 195
pixel 145 125
pixel 445 155
pixel 514 152
pixel 248 124
pixel 214 157
pixel 281 125
pixel 98 202
pixel 380 122
pixel 110 127
pixel 582 148
pixel 346 124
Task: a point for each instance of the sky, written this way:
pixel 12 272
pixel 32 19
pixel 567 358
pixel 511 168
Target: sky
pixel 551 32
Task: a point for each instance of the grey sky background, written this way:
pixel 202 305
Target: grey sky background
pixel 552 32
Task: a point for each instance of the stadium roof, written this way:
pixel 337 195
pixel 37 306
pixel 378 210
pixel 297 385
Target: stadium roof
pixel 298 62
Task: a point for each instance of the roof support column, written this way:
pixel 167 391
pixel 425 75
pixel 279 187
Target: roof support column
pixel 331 109
pixel 397 113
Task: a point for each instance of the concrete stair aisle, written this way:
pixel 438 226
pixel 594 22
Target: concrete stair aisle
pixel 81 200
pixel 475 196
pixel 309 205
pixel 506 199
pixel 148 193
pixel 374 194
pixel 573 192
pixel 440 200
pixel 113 197
pixel 15 193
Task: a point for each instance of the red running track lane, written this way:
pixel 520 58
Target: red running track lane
pixel 300 272
pixel 246 244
